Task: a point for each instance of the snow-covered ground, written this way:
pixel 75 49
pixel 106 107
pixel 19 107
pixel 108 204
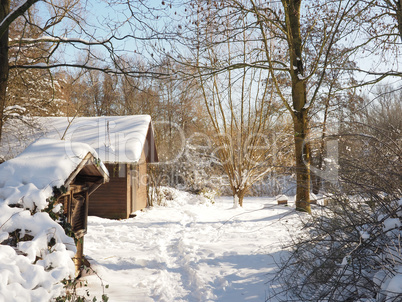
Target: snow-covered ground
pixel 190 250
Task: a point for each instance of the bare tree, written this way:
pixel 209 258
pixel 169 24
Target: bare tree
pixel 240 103
pixel 297 46
pixel 392 8
pixel 380 34
pixel 65 26
pixel 349 249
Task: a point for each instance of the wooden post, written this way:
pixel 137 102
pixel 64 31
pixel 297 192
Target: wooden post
pixel 79 256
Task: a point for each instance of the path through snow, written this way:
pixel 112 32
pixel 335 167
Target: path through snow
pixel 190 250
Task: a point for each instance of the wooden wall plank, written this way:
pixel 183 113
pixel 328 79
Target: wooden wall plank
pixel 110 199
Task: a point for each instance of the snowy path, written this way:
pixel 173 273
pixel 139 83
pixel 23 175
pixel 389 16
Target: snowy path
pixel 189 251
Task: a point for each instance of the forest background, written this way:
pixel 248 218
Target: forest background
pixel 246 97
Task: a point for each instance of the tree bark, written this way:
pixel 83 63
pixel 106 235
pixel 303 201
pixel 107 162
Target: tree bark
pixel 299 98
pixel 19 11
pixel 4 11
pixel 6 18
pixel 238 197
pixel 399 16
pixel 241 197
pixel 302 162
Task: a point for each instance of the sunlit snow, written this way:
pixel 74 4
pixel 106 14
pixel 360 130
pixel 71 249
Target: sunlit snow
pixel 190 250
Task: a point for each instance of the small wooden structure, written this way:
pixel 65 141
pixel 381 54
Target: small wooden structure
pixel 82 182
pixel 282 199
pixel 72 169
pixel 126 192
pixel 125 144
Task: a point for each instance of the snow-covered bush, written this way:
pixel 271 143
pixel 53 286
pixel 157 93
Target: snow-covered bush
pixel 167 196
pixel 349 252
pixel 274 184
pixel 36 254
pixel 209 194
pixel 350 248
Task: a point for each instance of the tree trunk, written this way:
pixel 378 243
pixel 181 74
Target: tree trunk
pixel 241 197
pixel 302 162
pixel 300 108
pixel 4 11
pixel 399 16
pixel 238 197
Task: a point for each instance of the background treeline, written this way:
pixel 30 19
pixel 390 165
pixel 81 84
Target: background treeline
pixel 187 142
pixel 220 80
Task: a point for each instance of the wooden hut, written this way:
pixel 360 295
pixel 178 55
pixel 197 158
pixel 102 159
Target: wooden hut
pixel 125 144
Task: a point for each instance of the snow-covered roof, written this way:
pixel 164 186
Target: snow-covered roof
pixel 28 179
pixel 116 139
